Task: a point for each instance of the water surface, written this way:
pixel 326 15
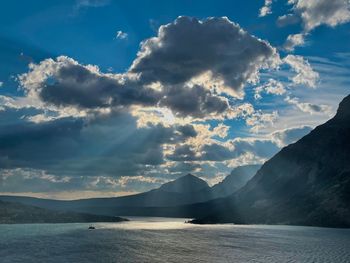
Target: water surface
pixel 170 240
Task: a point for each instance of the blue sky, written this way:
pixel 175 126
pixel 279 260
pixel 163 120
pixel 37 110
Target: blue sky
pixel 97 99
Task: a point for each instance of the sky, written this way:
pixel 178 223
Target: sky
pixel 109 98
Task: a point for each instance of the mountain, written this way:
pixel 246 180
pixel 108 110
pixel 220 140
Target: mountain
pixel 234 181
pixel 185 190
pixel 306 183
pixel 16 213
pixel 185 184
pixel 171 199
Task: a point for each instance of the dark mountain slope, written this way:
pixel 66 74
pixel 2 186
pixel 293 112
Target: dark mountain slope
pixel 306 183
pixel 234 181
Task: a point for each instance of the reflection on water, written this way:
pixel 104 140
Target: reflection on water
pixel 171 240
pixel 146 223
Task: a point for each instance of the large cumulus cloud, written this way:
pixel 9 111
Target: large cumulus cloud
pixel 65 82
pixel 189 47
pixel 189 58
pixel 196 101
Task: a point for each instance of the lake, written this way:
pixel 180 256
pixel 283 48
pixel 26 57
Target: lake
pixel 171 240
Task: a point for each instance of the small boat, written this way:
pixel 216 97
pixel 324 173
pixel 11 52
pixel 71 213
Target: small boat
pixel 91 227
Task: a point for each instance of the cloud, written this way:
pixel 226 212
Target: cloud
pixel 228 151
pixel 165 115
pixel 36 182
pixel 293 41
pixel 289 19
pixel 271 87
pixel 314 13
pixel 309 107
pixel 259 120
pixel 121 35
pixel 322 12
pixel 266 9
pixel 91 3
pixel 305 74
pixel 180 99
pixel 188 130
pixel 290 135
pixel 82 5
pixel 189 58
pixel 109 145
pixel 65 82
pixel 188 48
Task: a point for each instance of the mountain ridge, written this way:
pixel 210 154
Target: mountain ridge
pixel 306 183
pixel 185 190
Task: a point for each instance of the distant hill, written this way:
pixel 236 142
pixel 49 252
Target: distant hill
pixel 185 190
pixel 16 213
pixel 306 183
pixel 185 184
pixel 234 181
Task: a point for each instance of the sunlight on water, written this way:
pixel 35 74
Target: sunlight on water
pixel 171 240
pixel 155 223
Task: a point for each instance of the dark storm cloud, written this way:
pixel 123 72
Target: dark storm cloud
pixel 65 82
pixel 27 144
pixel 189 47
pixel 195 101
pixel 111 145
pixel 182 50
pixel 187 130
pixel 217 152
pixel 72 84
pixel 183 153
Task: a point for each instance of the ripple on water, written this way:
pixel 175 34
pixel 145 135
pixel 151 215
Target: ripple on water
pixel 170 240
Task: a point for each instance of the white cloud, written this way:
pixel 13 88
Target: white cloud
pixel 266 9
pixel 314 13
pixel 260 119
pixel 91 3
pixel 322 12
pixel 121 35
pixel 289 135
pixel 294 41
pixel 221 130
pixel 309 107
pixel 271 87
pixel 288 19
pixel 305 74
